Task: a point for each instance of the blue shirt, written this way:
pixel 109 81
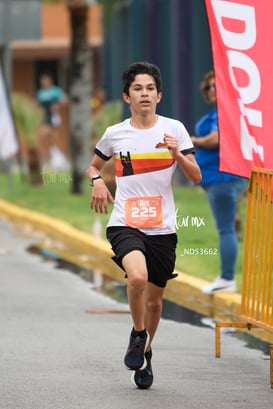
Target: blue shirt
pixel 208 159
pixel 48 96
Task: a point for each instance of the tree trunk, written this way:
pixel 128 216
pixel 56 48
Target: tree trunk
pixel 80 97
pixel 34 167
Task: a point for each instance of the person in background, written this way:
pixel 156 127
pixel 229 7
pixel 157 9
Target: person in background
pixel 52 98
pixel 222 189
pixel 146 148
pixel 98 99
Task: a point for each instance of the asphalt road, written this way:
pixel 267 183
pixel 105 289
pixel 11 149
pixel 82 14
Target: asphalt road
pixel 61 347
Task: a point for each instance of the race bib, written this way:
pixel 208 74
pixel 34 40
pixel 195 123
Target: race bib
pixel 144 212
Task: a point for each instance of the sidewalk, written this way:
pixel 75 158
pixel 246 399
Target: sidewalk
pixel 55 355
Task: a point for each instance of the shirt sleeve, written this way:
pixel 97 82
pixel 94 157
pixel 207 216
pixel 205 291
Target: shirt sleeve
pixel 184 140
pixel 103 147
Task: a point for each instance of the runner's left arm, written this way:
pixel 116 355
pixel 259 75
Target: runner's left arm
pixel 187 163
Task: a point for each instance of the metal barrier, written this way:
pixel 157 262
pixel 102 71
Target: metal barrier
pixel 257 283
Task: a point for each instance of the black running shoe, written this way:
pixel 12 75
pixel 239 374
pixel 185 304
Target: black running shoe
pixel 144 379
pixel 134 358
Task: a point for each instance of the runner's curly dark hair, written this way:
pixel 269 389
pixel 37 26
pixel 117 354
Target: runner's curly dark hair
pixel 136 68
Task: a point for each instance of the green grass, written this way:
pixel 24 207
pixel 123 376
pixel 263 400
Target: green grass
pixel 197 251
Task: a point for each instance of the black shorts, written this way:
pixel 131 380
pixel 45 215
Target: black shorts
pixel 159 251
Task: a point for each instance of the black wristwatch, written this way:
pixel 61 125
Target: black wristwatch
pixel 95 178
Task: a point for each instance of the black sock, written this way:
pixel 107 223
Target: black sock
pixel 140 334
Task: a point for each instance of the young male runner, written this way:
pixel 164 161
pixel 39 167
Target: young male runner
pixel 146 148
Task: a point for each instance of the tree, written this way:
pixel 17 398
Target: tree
pixel 80 92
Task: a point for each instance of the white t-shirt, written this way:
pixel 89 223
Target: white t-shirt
pixel 144 169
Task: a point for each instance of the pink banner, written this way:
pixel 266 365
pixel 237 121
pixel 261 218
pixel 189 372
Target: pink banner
pixel 241 36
